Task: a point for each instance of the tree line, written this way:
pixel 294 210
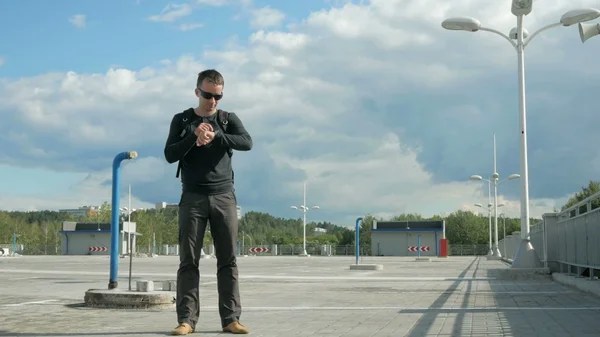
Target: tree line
pixel 39 232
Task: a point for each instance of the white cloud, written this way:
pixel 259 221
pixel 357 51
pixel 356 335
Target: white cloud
pixel 172 12
pixel 78 20
pixel 344 99
pixel 186 27
pixel 215 3
pixel 284 41
pixel 266 17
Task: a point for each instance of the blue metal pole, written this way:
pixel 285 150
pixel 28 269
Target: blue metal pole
pixel 114 224
pixel 357 238
pixel 419 245
pixel 14 243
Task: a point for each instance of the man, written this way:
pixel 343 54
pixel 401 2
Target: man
pixel 202 139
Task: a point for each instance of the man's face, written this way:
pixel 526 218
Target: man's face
pixel 209 95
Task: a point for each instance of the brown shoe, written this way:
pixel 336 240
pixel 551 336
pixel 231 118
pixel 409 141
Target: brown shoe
pixel 236 328
pixel 182 329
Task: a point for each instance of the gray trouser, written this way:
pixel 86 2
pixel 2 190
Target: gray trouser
pixel 195 211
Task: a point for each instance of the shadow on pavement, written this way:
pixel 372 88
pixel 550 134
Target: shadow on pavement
pixel 425 322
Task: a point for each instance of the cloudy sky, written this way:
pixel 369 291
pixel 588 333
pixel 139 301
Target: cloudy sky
pixel 373 103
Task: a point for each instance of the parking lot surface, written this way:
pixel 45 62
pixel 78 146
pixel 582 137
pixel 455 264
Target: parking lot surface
pixel 297 296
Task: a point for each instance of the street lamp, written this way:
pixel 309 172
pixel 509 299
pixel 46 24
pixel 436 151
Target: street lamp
pixel 303 208
pixel 489 209
pixel 526 256
pixel 494 180
pixel 495 251
pixel 504 232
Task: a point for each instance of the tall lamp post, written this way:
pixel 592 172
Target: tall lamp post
pixel 526 256
pixel 494 180
pixel 504 232
pixel 489 209
pixel 303 208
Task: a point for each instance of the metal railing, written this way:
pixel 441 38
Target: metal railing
pixel 568 241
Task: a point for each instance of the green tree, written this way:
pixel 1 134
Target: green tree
pixel 592 188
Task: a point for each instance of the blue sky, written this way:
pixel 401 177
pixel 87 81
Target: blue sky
pixel 374 104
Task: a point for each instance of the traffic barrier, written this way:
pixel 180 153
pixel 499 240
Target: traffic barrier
pixel 258 250
pixel 416 248
pixel 98 249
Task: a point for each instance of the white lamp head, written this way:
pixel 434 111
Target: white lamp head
pixel 579 15
pixel 588 30
pixel 478 205
pixel 462 23
pixel 514 176
pixel 521 7
pixel 315 207
pixel 294 207
pixel 501 205
pixel 476 177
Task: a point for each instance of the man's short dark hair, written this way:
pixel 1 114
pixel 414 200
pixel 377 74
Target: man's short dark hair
pixel 212 76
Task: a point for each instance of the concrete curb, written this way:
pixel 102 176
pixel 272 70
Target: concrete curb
pixel 366 267
pixel 143 297
pixel 125 299
pixel 581 283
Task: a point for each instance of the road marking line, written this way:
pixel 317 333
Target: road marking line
pixel 403 308
pixel 27 303
pixel 264 277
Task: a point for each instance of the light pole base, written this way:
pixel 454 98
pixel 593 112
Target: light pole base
pixel 526 256
pixel 490 252
pixel 497 253
pixel 304 254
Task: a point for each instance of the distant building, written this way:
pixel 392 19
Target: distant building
pixel 401 238
pixel 81 211
pixel 239 212
pixel 93 238
pixel 320 231
pixel 163 205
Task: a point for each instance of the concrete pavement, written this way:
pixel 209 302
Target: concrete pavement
pixel 295 296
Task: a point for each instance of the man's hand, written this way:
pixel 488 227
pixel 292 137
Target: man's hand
pixel 203 127
pixel 205 137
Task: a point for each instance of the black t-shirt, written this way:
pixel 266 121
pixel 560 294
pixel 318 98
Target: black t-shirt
pixel 206 169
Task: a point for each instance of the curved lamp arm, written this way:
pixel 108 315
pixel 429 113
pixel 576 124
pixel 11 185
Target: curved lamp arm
pixel 539 31
pixel 497 32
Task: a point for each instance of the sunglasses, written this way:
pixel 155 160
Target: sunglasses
pixel 208 95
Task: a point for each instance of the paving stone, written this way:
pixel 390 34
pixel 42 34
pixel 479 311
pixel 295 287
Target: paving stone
pixel 287 296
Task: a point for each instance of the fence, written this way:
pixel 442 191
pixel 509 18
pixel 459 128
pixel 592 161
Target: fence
pixel 567 242
pixel 272 250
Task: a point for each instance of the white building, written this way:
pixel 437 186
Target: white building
pixel 93 238
pixel 401 238
pixel 81 211
pixel 163 205
pixel 320 231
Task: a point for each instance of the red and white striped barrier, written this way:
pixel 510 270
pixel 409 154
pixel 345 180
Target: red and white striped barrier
pixel 258 250
pixel 415 248
pixel 98 249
